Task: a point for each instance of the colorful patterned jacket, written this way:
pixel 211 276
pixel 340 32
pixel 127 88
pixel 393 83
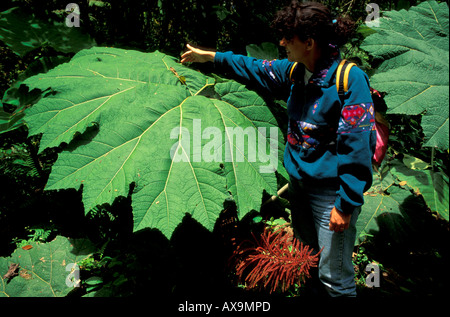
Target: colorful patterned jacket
pixel 327 142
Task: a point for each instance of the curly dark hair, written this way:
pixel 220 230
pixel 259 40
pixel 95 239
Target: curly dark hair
pixel 313 20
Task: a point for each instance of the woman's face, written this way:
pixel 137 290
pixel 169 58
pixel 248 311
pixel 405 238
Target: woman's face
pixel 296 50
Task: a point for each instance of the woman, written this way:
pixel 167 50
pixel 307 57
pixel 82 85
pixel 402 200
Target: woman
pixel 330 142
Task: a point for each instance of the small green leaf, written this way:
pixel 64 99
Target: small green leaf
pixel 95 280
pixel 257 219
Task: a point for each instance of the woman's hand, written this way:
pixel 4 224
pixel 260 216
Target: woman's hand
pixel 196 55
pixel 339 221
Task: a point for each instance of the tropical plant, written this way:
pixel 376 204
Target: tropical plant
pixel 36 235
pixel 391 204
pixel 275 260
pixel 413 46
pixel 43 269
pixel 135 119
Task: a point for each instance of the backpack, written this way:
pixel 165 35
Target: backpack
pixel 381 125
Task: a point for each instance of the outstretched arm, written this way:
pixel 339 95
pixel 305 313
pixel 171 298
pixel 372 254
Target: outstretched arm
pixel 272 76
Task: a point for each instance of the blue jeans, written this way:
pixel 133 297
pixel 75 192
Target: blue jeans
pixel 311 205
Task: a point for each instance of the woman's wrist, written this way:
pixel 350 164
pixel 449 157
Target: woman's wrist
pixel 211 56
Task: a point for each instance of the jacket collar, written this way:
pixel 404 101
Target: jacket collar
pixel 324 75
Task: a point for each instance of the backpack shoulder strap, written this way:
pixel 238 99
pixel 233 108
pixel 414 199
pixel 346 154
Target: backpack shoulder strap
pixel 291 72
pixel 296 73
pixel 342 77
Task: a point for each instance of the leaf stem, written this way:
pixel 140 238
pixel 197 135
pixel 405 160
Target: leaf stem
pixel 433 153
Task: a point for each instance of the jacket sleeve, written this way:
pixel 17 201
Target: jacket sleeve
pixel 356 139
pixel 273 76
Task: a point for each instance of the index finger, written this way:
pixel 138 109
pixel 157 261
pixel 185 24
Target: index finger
pixel 186 54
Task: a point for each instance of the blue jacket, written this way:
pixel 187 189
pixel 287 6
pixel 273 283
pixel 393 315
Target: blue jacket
pixel 327 141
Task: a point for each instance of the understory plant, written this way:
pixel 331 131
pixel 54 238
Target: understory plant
pixel 276 260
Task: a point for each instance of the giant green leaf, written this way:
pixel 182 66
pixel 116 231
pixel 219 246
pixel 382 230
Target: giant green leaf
pixel 391 203
pixel 414 47
pixel 184 142
pixel 384 212
pixel 45 270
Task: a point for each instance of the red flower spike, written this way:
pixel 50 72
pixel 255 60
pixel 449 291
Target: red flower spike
pixel 276 259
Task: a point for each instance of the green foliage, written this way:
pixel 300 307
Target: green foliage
pixel 10 65
pixel 35 235
pixel 121 102
pixel 360 262
pixel 18 161
pixel 23 32
pixel 10 121
pixel 395 194
pixel 413 46
pixel 418 175
pixel 266 50
pixel 384 209
pixel 42 268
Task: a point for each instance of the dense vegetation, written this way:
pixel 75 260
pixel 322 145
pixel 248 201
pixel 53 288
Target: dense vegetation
pixel 108 217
